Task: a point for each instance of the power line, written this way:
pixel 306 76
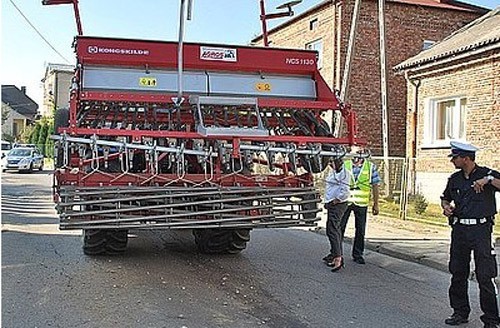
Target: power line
pixel 38 32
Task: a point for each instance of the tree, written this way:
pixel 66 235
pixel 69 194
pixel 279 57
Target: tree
pixel 42 137
pixel 5 113
pixel 49 143
pixel 35 133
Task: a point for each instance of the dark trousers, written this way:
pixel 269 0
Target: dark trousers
pixel 476 238
pixel 333 231
pixel 360 213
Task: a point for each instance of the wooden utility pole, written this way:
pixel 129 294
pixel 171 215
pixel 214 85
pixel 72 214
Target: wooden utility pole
pixel 383 93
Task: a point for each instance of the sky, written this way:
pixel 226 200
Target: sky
pixel 24 53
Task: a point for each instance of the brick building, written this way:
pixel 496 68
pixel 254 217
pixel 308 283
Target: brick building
pixel 454 94
pixel 410 25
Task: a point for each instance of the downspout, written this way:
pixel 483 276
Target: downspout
pixel 409 165
pixel 416 84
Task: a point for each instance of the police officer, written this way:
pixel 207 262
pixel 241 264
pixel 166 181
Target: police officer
pixel 469 203
pixel 365 179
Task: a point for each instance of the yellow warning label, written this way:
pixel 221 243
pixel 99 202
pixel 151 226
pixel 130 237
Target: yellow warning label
pixel 147 81
pixel 263 87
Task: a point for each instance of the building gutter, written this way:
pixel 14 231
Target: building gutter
pixel 429 70
pixel 445 58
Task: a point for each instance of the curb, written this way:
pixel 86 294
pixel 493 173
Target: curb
pixel 380 248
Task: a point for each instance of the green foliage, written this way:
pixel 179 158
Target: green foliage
pixel 39 134
pixel 419 202
pixel 49 143
pixel 25 135
pixel 5 113
pixel 35 133
pixel 42 136
pixel 8 137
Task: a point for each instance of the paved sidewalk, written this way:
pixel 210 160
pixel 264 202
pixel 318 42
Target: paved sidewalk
pixel 422 243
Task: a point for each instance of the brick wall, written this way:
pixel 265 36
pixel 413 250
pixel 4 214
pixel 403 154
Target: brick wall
pixel 479 83
pixel 407 26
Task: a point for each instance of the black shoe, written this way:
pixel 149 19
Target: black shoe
pixel 337 268
pixel 456 319
pixel 359 260
pixel 490 325
pixel 328 258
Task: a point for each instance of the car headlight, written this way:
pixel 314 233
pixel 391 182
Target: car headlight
pixel 24 161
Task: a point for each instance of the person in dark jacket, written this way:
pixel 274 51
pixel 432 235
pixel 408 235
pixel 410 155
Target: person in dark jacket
pixel 469 203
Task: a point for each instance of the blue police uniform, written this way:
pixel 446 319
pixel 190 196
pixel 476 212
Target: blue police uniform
pixel 472 224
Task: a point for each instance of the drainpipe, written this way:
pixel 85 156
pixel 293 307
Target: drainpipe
pixel 408 165
pixel 416 84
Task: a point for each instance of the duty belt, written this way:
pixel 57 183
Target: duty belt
pixel 470 221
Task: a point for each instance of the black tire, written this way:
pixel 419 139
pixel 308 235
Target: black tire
pixel 101 242
pixel 40 168
pixel 309 207
pixel 220 241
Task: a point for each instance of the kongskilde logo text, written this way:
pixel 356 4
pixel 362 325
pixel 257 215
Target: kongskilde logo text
pixel 117 51
pixel 221 54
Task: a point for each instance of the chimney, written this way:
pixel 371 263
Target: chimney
pixel 23 89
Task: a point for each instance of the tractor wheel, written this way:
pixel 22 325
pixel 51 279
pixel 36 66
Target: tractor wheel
pixel 117 241
pixel 218 241
pixel 100 242
pixel 308 207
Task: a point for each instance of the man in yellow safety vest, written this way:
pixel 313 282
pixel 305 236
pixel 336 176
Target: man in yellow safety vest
pixel 365 180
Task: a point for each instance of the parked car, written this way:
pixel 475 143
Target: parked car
pixel 16 145
pixel 6 147
pixel 24 159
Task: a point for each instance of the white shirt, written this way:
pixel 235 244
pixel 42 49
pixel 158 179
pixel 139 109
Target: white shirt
pixel 337 186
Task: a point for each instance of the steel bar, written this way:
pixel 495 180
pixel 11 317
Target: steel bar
pixel 193 224
pixel 163 206
pixel 189 194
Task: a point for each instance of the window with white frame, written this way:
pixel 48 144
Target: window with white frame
pixel 444 121
pixel 318 46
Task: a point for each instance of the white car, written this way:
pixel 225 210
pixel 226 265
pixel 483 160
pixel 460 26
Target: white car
pixel 6 147
pixel 24 159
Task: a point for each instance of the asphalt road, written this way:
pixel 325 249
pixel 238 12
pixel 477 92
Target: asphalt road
pixel 162 281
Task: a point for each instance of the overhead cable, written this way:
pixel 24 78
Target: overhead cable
pixel 39 33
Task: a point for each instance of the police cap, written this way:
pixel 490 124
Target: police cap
pixel 462 149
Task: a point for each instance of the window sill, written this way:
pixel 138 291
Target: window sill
pixel 435 146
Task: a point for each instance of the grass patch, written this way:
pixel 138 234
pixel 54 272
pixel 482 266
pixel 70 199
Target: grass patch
pixel 432 215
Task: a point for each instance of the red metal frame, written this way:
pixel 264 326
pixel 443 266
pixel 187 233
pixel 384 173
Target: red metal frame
pixel 161 54
pixel 75 9
pixel 92 51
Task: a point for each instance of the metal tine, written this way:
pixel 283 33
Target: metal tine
pixel 111 190
pixel 134 198
pixel 96 141
pixel 237 116
pixel 165 216
pixel 177 221
pixel 163 206
pixel 200 224
pixel 102 191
